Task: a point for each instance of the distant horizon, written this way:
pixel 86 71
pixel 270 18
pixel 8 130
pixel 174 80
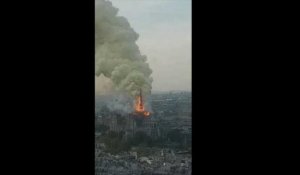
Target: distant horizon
pixel 171 91
pixel 154 92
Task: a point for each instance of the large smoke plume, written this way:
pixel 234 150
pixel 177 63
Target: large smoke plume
pixel 117 55
pixel 104 85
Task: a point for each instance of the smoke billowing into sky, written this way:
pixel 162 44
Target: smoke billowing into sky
pixel 117 55
pixel 164 36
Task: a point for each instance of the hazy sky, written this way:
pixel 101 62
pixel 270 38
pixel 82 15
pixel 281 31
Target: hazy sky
pixel 164 27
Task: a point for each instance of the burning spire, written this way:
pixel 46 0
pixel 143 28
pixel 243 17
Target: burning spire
pixel 139 105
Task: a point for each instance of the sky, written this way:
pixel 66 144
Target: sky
pixel 164 28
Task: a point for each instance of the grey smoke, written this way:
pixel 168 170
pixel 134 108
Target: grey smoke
pixel 120 103
pixel 117 55
pixel 104 86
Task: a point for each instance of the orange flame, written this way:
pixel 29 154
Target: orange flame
pixel 139 106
